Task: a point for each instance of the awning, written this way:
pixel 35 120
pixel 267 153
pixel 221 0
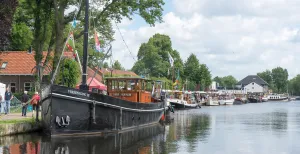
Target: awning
pixel 94 84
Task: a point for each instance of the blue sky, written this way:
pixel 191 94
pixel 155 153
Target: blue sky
pixel 232 37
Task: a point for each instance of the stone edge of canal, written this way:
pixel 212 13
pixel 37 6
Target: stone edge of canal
pixel 19 127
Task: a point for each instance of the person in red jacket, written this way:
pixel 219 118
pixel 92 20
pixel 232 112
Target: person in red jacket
pixel 34 102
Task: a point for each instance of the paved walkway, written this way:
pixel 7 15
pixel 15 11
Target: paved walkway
pixel 14 116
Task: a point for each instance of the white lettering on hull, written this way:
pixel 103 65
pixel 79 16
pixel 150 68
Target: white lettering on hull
pixel 78 93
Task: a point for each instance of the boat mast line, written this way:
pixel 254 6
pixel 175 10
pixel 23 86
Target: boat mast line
pixel 62 53
pixel 125 42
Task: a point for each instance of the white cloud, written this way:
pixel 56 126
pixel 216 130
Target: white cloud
pixel 237 37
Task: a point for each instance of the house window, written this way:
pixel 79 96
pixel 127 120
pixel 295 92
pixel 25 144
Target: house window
pixel 252 87
pixel 28 86
pixel 13 87
pixel 3 66
pixel 252 83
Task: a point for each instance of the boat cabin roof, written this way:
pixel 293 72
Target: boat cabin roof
pixel 127 78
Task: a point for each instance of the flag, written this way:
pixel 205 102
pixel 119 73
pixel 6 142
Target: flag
pixel 97 43
pixel 177 79
pixel 71 44
pixel 171 60
pixel 74 23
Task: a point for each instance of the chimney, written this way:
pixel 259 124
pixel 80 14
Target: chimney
pixel 30 50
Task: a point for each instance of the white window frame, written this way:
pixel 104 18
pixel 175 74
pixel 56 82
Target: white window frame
pixel 3 65
pixel 27 86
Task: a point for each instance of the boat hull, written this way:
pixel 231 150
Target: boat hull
pixel 183 106
pixel 212 103
pixel 229 102
pixel 94 113
pixel 125 142
pixel 253 100
pixel 281 99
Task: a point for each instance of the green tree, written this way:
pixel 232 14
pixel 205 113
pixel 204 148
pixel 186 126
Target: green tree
pixel 192 70
pixel 69 73
pixel 21 37
pixel 205 76
pixel 219 81
pixel 113 10
pixel 280 78
pixel 153 58
pixel 52 32
pixel 117 66
pixel 294 85
pixel 105 65
pixel 267 76
pixel 197 73
pixel 229 81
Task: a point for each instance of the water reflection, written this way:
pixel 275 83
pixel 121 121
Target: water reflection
pixel 277 121
pixel 252 128
pixel 21 144
pixel 188 128
pixel 134 141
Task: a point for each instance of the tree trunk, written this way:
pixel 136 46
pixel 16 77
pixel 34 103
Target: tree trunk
pixel 59 9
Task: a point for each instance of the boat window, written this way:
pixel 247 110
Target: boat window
pixel 143 85
pixel 109 87
pixel 148 86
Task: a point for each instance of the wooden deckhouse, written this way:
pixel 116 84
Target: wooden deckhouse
pixel 134 89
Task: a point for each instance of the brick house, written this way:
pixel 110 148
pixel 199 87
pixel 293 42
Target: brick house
pixel 16 70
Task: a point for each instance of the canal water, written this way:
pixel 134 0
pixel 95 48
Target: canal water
pixel 262 128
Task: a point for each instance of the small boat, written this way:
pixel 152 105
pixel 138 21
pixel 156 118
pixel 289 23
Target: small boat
pixel 200 96
pixel 277 97
pixel 253 99
pixel 238 101
pixel 229 102
pixel 212 102
pixel 264 99
pixel 227 99
pixel 222 102
pixel 182 100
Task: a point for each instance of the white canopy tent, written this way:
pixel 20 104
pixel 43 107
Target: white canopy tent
pixel 2 90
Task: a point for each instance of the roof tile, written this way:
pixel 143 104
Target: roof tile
pixel 20 62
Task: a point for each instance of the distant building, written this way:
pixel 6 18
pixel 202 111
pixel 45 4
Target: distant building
pixel 253 84
pixel 214 85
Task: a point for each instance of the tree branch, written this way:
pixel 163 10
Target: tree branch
pixel 79 35
pixel 107 7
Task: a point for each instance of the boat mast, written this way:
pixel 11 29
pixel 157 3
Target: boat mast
pixel 83 85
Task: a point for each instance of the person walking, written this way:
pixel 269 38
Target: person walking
pixel 7 98
pixel 34 102
pixel 24 99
